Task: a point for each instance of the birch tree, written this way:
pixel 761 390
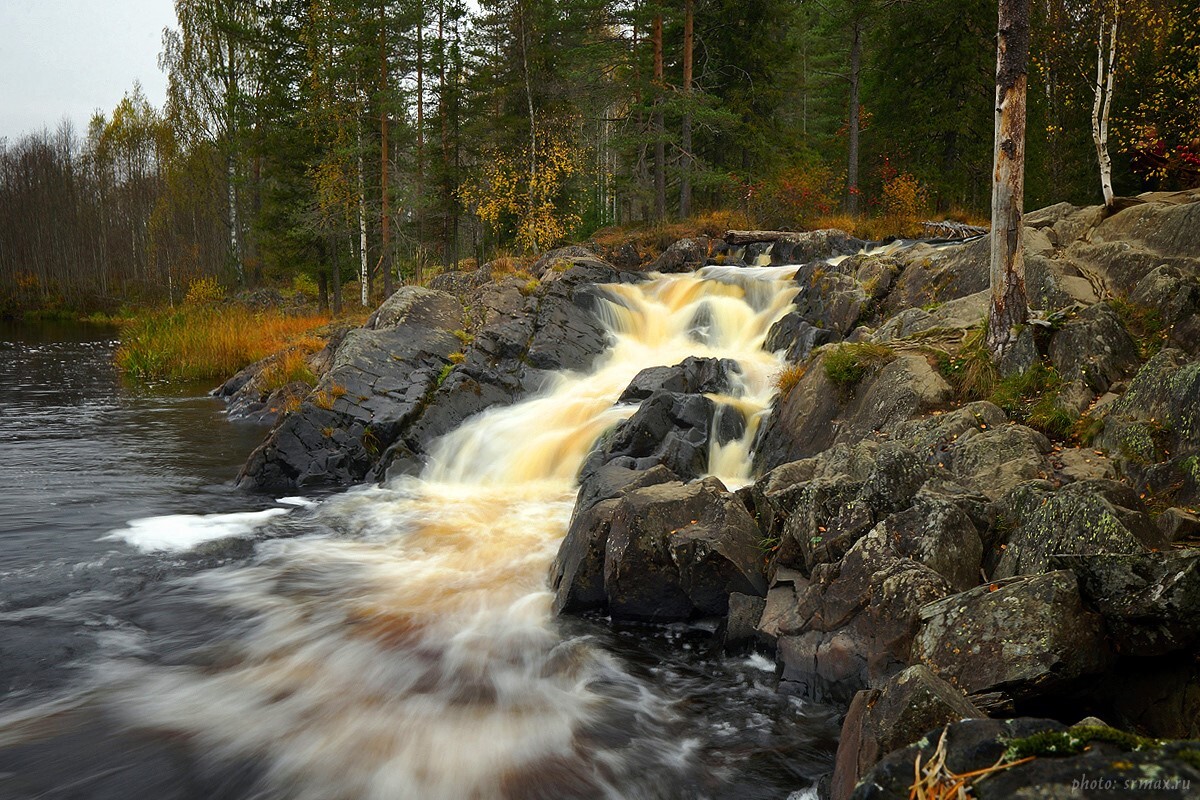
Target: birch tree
pixel 1102 91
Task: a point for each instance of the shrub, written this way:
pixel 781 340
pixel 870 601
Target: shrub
pixel 204 291
pixel 796 196
pixel 904 203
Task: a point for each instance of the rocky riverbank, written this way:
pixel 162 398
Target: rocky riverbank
pixel 928 541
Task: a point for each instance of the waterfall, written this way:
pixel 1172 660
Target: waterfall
pixel 409 651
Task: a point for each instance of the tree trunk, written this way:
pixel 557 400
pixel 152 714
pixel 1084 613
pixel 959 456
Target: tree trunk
pixel 852 158
pixel 364 271
pixel 660 146
pixel 323 292
pixel 1010 308
pixel 385 212
pixel 419 200
pixel 685 138
pixel 234 252
pixel 532 119
pixel 1102 103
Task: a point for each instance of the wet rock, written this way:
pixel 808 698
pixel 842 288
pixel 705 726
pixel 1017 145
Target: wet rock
pixel 249 394
pixel 1078 519
pixel 739 629
pixel 691 376
pixel 816 414
pixel 1024 636
pixel 685 255
pixel 893 716
pixel 829 299
pixel 1094 348
pixel 803 248
pixel 1150 601
pixel 668 428
pixel 577 574
pixel 797 337
pixel 1098 763
pixel 676 551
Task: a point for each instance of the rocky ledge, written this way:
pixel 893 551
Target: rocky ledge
pixel 927 542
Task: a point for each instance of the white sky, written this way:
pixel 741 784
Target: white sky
pixel 70 57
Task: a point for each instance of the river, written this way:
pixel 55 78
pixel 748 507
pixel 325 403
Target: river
pixel 163 635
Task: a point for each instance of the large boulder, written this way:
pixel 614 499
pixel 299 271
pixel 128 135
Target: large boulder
pixel 893 716
pixel 693 375
pixel 1153 429
pixel 1085 761
pixel 1150 601
pixel 808 246
pixel 1093 351
pixel 1083 518
pixel 828 298
pixel 816 414
pixel 797 337
pixel 379 382
pixel 668 428
pixel 1025 636
pixel 1174 295
pixel 671 551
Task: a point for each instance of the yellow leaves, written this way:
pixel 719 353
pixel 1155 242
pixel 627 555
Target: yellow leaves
pixel 529 198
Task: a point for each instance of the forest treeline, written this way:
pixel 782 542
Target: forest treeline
pixel 373 141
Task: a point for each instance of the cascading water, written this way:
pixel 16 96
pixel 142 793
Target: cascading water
pixel 409 650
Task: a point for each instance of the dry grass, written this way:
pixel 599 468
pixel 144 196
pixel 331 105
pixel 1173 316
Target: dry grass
pixel 292 365
pixel 788 377
pixel 200 342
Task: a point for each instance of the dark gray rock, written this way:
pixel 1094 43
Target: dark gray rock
pixel 1084 762
pixel 418 307
pixel 676 551
pixel 797 337
pixel 893 716
pixel 1025 636
pixel 668 428
pixel 1094 348
pixel 739 630
pixel 809 246
pixel 829 299
pixel 691 376
pixel 1078 519
pixel 1150 601
pixel 1160 696
pixel 1175 296
pixel 577 574
pixel 685 255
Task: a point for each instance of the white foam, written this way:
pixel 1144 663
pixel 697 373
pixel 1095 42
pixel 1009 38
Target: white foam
pixel 298 502
pixel 185 531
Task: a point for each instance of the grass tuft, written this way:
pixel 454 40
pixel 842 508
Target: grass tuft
pixel 788 377
pixel 847 364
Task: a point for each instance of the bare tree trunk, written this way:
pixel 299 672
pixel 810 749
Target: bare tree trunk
pixel 855 114
pixel 685 139
pixel 660 147
pixel 364 270
pixel 1102 102
pixel 419 269
pixel 385 206
pixel 1010 308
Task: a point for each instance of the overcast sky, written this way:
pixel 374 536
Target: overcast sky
pixel 70 57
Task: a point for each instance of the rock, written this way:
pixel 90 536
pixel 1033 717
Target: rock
pixel 797 337
pixel 249 394
pixel 1160 696
pixel 1150 601
pixel 815 415
pixel 1177 525
pixel 577 574
pixel 691 376
pixel 893 716
pixel 739 630
pixel 994 459
pixel 668 428
pixel 419 307
pixel 560 260
pixel 803 248
pixel 677 551
pixel 938 534
pixel 377 386
pixel 1174 295
pixel 1024 636
pixel 1075 520
pixel 1098 763
pixel 685 255
pixel 829 299
pixel 1094 348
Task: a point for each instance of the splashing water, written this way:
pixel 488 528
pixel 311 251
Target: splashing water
pixel 412 653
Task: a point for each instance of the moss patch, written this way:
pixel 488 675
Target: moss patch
pixel 847 364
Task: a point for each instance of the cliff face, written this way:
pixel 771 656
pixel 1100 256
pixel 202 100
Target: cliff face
pixel 915 545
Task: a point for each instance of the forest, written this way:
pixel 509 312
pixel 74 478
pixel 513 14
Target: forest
pixel 344 146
